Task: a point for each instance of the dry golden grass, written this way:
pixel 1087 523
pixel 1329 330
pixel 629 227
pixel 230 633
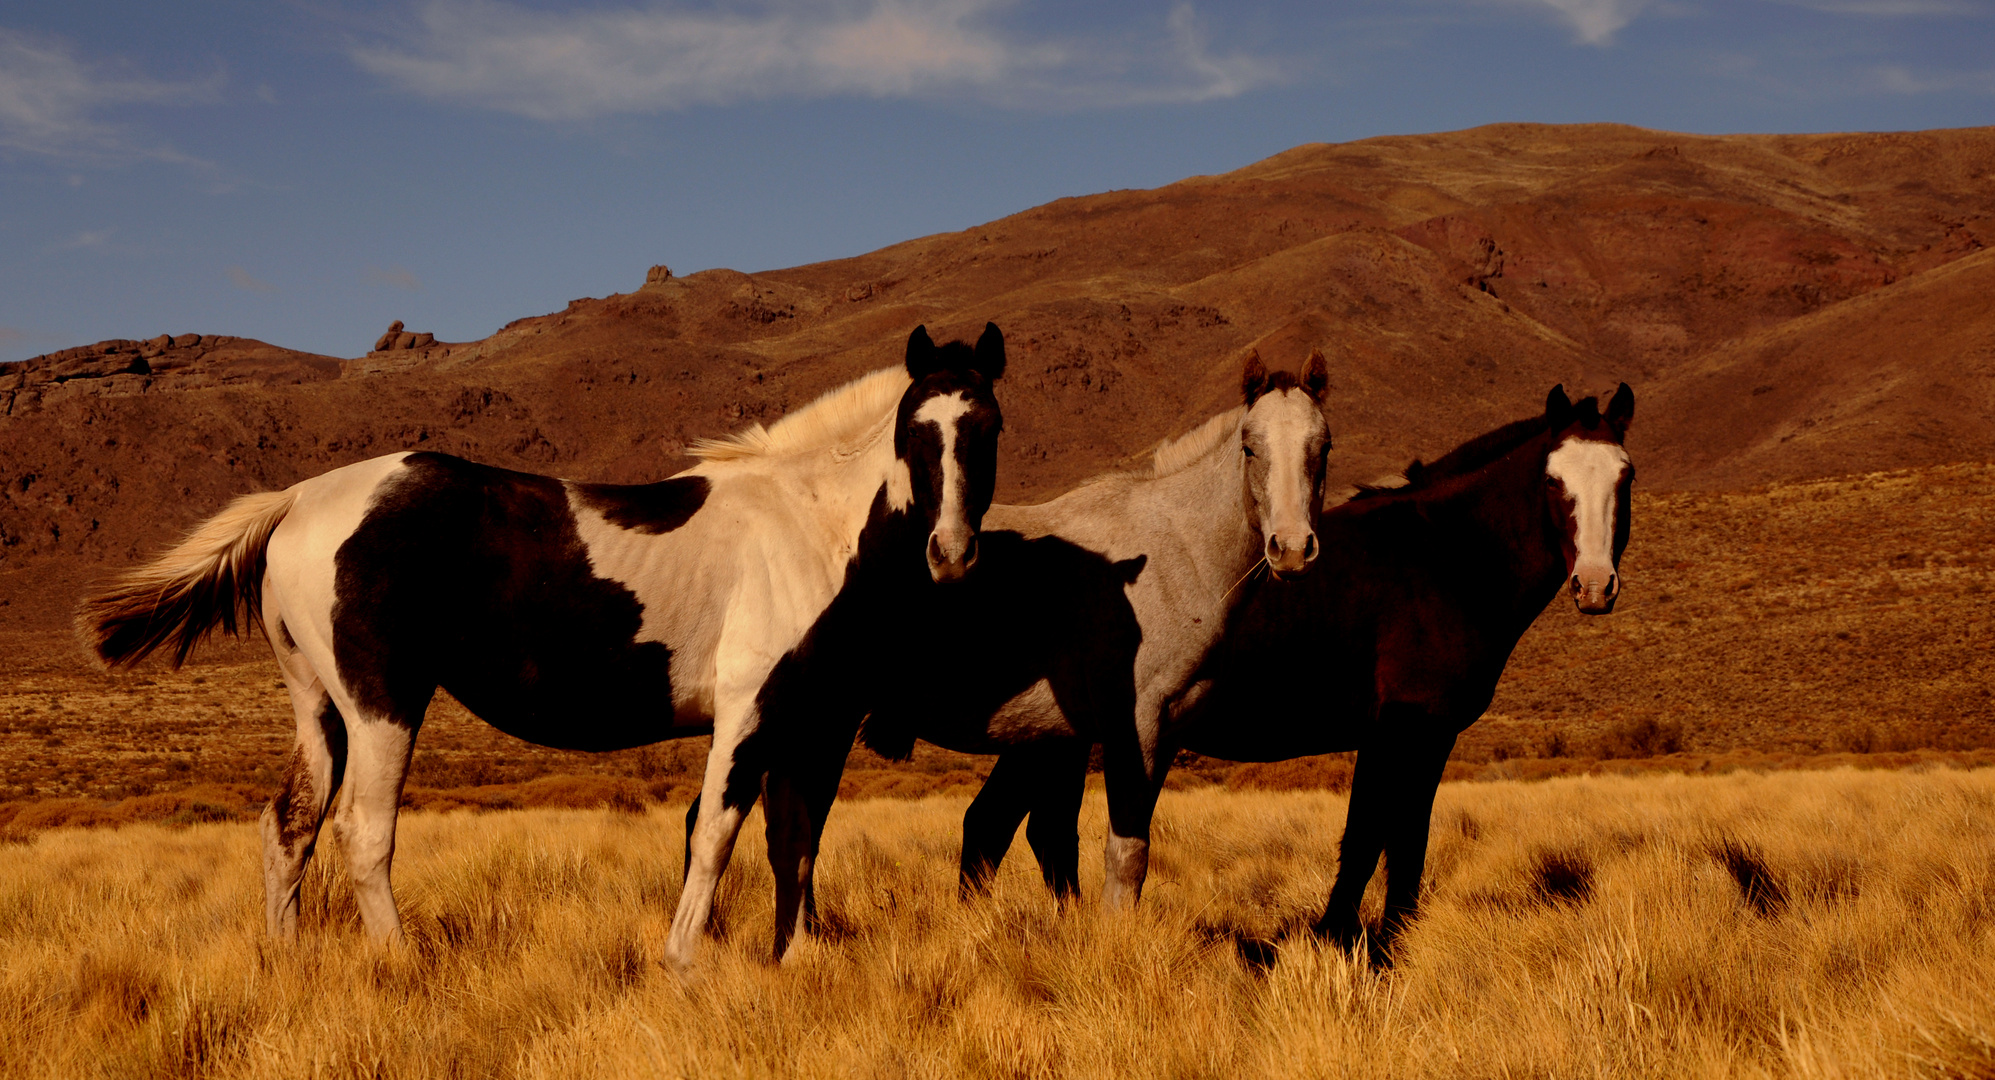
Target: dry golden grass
pixel 1792 924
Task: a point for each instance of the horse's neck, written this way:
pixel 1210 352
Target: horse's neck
pixel 841 486
pixel 1201 509
pixel 1495 524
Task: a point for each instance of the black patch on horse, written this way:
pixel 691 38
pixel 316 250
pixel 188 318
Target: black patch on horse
pixel 474 578
pixel 651 509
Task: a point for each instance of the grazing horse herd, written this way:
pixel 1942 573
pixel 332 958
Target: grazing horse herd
pixel 844 574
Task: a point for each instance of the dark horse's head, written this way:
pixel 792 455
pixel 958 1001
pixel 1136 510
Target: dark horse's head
pixel 1587 480
pixel 946 438
pixel 1285 439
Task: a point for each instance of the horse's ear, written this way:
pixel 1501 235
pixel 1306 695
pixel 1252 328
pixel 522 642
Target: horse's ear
pixel 921 357
pixel 1557 404
pixel 1254 380
pixel 1315 375
pixel 990 353
pixel 1620 410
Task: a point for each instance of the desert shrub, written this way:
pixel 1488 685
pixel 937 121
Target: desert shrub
pixel 1640 737
pixel 1758 886
pixel 1562 875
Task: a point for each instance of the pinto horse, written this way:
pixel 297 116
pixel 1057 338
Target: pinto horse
pixel 581 616
pixel 1086 624
pixel 1392 647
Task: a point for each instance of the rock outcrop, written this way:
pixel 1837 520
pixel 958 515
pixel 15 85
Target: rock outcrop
pixel 400 340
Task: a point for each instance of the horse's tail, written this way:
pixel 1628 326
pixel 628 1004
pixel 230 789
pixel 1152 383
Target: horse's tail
pixel 212 578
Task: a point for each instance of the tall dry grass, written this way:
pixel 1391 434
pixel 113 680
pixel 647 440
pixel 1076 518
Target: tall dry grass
pixel 1793 924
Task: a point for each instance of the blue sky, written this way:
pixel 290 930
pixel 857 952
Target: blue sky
pixel 305 172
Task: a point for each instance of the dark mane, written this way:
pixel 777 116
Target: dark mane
pixel 1466 458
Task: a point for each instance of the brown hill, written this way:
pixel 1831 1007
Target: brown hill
pixel 1751 287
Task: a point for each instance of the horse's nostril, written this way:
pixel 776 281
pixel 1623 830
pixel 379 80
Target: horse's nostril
pixel 935 556
pixel 1613 584
pixel 1309 548
pixel 1576 586
pixel 1274 546
pixel 970 551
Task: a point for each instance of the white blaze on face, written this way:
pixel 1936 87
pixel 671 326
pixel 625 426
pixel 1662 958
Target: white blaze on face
pixel 1284 428
pixel 952 528
pixel 1591 474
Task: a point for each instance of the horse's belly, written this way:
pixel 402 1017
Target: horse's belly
pixel 608 702
pixel 1029 716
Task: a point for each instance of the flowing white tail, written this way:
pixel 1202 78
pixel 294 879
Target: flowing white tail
pixel 212 578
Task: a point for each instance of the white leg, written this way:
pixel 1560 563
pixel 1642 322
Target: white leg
pixel 712 841
pixel 377 763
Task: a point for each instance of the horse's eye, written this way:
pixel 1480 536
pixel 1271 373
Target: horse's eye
pixel 1247 450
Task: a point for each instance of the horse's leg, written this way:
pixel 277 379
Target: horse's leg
pixel 1053 830
pixel 1134 775
pixel 692 819
pixel 798 800
pixel 993 819
pixel 730 786
pixel 377 765
pixel 1391 768
pixel 290 823
pixel 1406 833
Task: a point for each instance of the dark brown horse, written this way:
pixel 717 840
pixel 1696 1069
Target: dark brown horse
pixel 1390 646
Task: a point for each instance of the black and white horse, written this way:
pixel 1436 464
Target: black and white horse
pixel 1392 647
pixel 1085 624
pixel 583 616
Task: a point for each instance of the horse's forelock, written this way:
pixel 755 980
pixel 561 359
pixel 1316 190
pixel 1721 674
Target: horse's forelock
pixel 954 376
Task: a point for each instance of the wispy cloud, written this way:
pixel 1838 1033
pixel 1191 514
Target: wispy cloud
pixel 1891 8
pixel 93 238
pixel 1896 79
pixel 1594 22
pixel 570 65
pixel 52 102
pixel 244 280
pixel 395 277
pixel 10 337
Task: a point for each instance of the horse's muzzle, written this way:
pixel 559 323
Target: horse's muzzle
pixel 1286 555
pixel 1594 591
pixel 950 558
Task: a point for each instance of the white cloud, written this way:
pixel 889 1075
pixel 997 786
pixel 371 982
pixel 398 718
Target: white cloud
pixel 395 277
pixel 1596 21
pixel 570 65
pixel 242 279
pixel 51 102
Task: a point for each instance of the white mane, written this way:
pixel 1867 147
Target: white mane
pixel 838 416
pixel 1176 455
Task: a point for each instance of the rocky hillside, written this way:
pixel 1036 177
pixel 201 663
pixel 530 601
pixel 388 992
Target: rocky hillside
pixel 1786 307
